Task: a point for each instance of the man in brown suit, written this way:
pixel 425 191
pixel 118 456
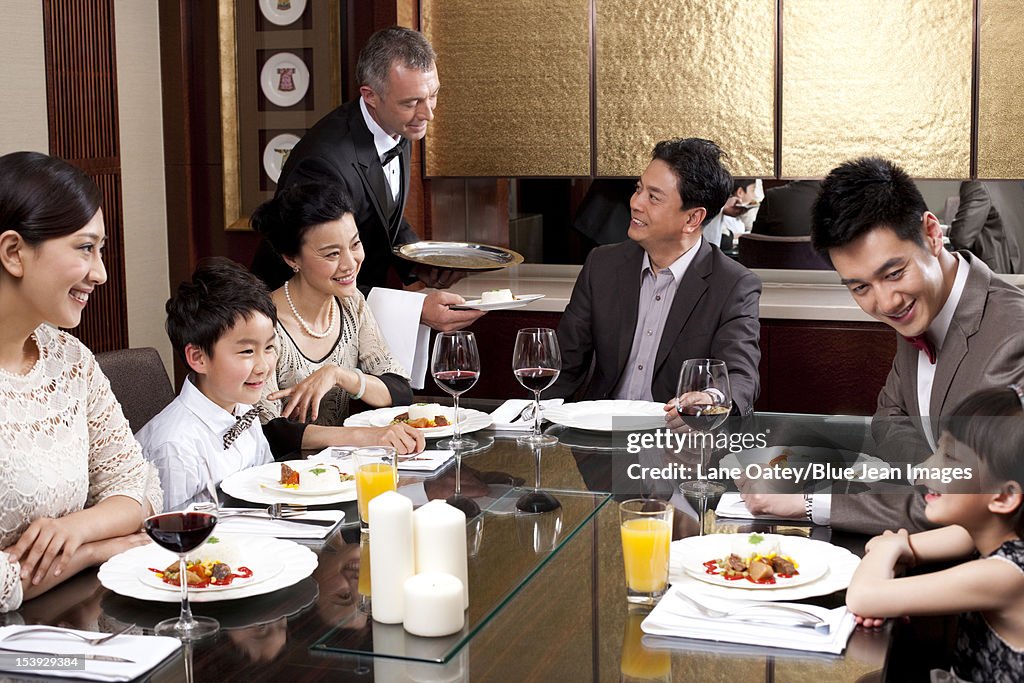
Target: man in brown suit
pixel 959 327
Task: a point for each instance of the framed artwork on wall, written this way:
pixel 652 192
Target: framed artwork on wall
pixel 280 65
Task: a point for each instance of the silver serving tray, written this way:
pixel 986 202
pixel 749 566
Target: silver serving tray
pixel 459 255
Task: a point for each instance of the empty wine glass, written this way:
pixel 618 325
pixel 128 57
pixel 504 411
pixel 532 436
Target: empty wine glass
pixel 536 362
pixel 455 365
pixel 703 401
pixel 181 533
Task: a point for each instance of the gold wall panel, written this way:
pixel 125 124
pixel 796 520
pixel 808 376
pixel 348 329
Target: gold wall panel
pixel 1001 91
pixel 515 87
pixel 668 68
pixel 880 77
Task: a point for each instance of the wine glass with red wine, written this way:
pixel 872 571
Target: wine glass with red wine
pixel 536 362
pixel 455 365
pixel 181 533
pixel 703 401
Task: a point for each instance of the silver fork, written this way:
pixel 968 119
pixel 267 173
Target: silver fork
pixel 811 620
pixel 284 511
pixel 99 640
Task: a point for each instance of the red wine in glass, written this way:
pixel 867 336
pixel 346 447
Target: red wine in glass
pixel 536 379
pixel 181 533
pixel 536 362
pixel 456 382
pixel 704 418
pixel 455 365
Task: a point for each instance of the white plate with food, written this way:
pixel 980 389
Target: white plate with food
pixel 282 12
pixel 220 564
pixel 469 420
pixel 293 481
pixel 608 415
pixel 839 565
pixel 752 562
pixel 497 300
pixel 284 79
pixel 121 573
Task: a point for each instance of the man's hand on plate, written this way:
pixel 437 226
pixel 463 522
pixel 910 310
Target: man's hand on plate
pixel 438 278
pixel 437 314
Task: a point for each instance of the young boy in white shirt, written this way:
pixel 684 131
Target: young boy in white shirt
pixel 222 325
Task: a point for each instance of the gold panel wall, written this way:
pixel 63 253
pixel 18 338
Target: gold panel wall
pixel 667 68
pixel 515 87
pixel 880 77
pixel 1001 91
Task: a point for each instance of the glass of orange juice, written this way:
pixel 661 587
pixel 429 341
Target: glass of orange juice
pixel 646 526
pixel 376 472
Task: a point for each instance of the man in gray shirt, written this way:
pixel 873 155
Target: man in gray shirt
pixel 641 307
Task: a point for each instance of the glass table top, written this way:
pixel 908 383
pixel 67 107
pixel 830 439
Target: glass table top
pixel 495 575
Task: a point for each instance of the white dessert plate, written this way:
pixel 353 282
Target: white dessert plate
pixel 519 301
pixel 811 566
pixel 254 485
pixel 608 415
pixel 273 75
pixel 840 564
pixel 120 573
pixel 469 420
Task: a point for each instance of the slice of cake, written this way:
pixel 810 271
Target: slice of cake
pixel 289 477
pixel 497 296
pixel 322 477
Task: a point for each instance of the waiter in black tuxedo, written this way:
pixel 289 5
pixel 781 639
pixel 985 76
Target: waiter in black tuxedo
pixel 365 145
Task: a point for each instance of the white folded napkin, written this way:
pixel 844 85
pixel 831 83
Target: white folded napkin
pixel 427 461
pixel 397 314
pixel 279 528
pixel 676 617
pixel 732 506
pixel 145 651
pixel 511 409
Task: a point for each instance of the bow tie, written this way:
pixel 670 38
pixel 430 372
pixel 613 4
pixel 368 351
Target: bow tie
pixel 242 422
pixel 923 344
pixel 391 154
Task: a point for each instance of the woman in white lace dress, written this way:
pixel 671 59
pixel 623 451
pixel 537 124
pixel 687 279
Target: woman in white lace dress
pixel 330 348
pixel 74 486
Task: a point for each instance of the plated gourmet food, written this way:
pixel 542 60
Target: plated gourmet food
pixel 756 558
pixel 423 416
pixel 319 478
pixel 216 565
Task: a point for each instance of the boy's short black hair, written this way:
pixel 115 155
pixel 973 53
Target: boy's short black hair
pixel 220 294
pixel 861 195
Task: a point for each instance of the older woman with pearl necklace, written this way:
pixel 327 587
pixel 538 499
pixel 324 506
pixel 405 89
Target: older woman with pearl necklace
pixel 331 350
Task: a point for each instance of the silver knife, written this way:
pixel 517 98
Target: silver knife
pixel 67 655
pixel 290 520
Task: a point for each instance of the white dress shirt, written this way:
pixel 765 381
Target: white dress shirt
pixel 384 142
pixel 937 334
pixel 186 443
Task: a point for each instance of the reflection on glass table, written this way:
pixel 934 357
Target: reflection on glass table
pixel 499 569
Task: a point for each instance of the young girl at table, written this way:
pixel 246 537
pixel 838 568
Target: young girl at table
pixel 331 348
pixel 982 525
pixel 75 486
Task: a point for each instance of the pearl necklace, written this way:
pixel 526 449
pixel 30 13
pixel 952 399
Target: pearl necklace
pixel 303 323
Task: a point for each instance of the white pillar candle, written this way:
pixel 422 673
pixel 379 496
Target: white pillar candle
pixel 433 605
pixel 441 542
pixel 391 555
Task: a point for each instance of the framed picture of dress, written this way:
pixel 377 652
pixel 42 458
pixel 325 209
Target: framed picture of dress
pixel 280 73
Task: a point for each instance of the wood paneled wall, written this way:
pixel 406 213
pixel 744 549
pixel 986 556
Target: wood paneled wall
pixel 81 95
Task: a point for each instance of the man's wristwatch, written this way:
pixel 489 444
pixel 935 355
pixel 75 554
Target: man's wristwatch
pixel 809 506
